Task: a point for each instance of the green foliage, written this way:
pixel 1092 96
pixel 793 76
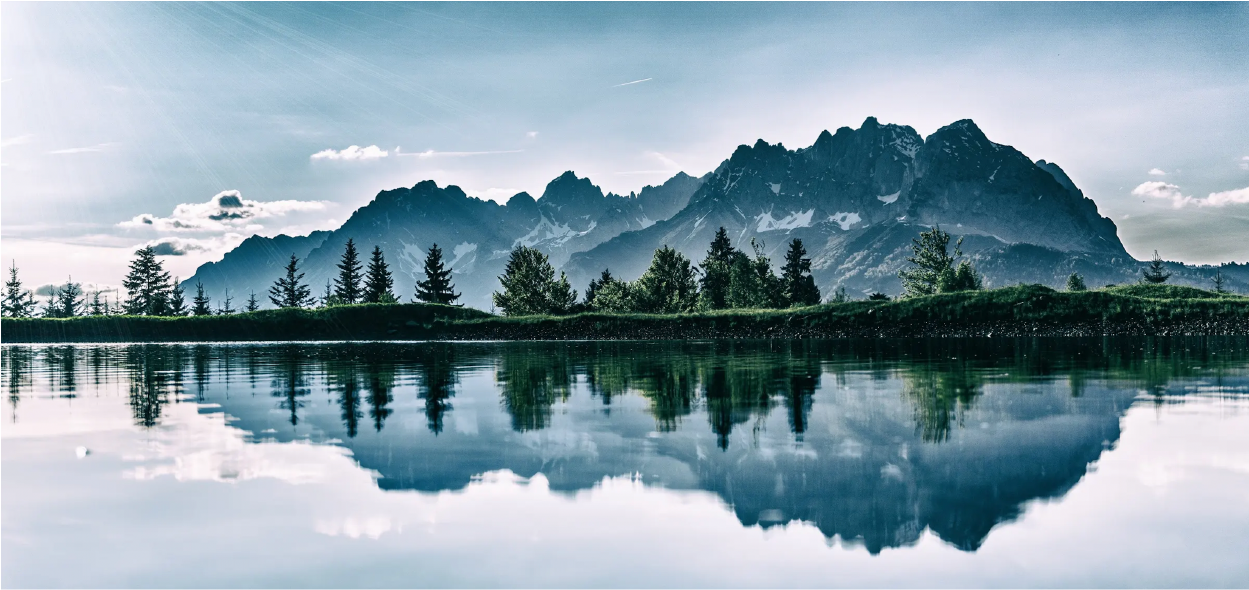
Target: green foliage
pixel 752 285
pixel 595 284
pixel 839 295
pixel 800 289
pixel 68 300
pixel 288 291
pixel 1218 282
pixel 668 286
pixel 97 307
pixel 1075 282
pixel 615 296
pixel 147 284
pixel 529 286
pixel 18 302
pixel 347 284
pixel 201 304
pixel 378 281
pixel 226 307
pixel 252 303
pixel 878 297
pixel 437 286
pixel 933 269
pixel 177 300
pixel 717 269
pixel 1156 272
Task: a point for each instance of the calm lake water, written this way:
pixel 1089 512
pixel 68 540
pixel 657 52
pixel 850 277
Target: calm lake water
pixel 1033 462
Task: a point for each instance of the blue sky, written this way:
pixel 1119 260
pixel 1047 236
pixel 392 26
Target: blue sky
pixel 116 111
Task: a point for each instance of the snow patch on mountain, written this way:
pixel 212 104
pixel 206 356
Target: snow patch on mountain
pixel 776 188
pixel 550 232
pixel 888 199
pixel 845 220
pixel 794 220
pixel 460 251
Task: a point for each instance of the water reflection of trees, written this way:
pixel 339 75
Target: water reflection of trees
pixel 288 382
pixel 438 382
pixel 154 375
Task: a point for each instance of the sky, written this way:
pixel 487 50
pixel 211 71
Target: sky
pixel 126 124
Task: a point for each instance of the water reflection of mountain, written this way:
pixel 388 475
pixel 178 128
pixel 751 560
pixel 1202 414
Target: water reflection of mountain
pixel 869 441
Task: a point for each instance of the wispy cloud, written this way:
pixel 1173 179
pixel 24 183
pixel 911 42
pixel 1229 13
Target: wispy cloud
pixel 1244 163
pixel 438 154
pixel 19 140
pixel 532 134
pixel 1157 172
pixel 1155 189
pixel 633 82
pixel 99 147
pixel 352 153
pixel 227 209
pixel 665 160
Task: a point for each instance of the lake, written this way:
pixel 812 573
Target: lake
pixel 932 463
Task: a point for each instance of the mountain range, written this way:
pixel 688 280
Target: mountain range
pixel 856 198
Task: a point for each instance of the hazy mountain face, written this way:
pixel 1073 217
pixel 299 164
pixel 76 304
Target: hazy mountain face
pixel 856 198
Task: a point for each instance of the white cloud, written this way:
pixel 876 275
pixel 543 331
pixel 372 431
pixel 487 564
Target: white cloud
pixel 436 154
pixel 1161 190
pixel 354 152
pixel 177 246
pixel 1156 172
pixel 531 134
pixel 16 140
pixel 633 82
pixel 99 147
pixel 665 160
pixel 227 209
pixel 1244 163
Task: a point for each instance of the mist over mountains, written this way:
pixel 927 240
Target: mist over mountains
pixel 856 198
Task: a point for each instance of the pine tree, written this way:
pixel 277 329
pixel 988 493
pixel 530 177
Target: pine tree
pixel 752 283
pixel 252 304
pixel 717 270
pixel 378 281
pixel 177 300
pixel 595 284
pixel 1075 283
pixel 668 286
pixel 287 291
pixel 70 299
pixel 347 285
pixel 1156 273
pixel 800 286
pixel 18 302
pixel 50 307
pixel 437 286
pixel 147 284
pixel 529 286
pixel 328 298
pixel 1218 282
pixel 201 303
pixel 226 306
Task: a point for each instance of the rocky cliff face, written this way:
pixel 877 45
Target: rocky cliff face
pixel 856 197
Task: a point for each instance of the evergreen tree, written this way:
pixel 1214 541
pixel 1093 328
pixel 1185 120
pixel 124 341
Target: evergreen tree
pixel 147 284
pixel 201 304
pixel 378 281
pixel 226 307
pixel 437 287
pixel 668 286
pixel 1075 282
pixel 595 284
pixel 347 285
pixel 1218 282
pixel 287 291
pixel 717 269
pixel 800 286
pixel 839 295
pixel 18 302
pixel 97 307
pixel 50 307
pixel 529 286
pixel 328 298
pixel 177 299
pixel 752 283
pixel 614 296
pixel 878 297
pixel 252 304
pixel 1156 273
pixel 934 270
pixel 70 300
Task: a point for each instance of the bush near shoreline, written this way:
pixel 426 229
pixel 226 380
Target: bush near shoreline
pixel 1025 310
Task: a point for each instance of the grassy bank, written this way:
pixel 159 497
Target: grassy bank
pixel 1012 311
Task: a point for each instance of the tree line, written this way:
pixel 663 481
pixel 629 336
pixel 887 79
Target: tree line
pixel 727 278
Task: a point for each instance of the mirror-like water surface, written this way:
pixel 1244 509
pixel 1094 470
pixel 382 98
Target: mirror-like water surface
pixel 1047 462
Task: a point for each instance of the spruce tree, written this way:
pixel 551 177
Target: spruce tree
pixel 18 302
pixel 800 286
pixel 177 300
pixel 147 284
pixel 226 307
pixel 1218 282
pixel 717 269
pixel 201 303
pixel 595 284
pixel 50 307
pixel 97 307
pixel 529 286
pixel 437 286
pixel 752 283
pixel 70 300
pixel 378 281
pixel 668 286
pixel 328 298
pixel 252 304
pixel 1156 273
pixel 287 291
pixel 347 285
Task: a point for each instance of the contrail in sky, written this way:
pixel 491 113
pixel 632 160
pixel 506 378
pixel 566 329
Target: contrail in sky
pixel 633 82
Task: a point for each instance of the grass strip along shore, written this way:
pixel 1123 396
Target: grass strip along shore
pixel 1025 310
